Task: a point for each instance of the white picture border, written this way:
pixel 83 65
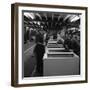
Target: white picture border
pixel 33 80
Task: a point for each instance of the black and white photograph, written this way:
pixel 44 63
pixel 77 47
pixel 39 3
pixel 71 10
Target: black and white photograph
pixel 50 44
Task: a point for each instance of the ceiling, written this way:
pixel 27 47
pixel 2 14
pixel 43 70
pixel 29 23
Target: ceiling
pixel 51 21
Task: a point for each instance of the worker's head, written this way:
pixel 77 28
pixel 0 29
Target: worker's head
pixel 39 38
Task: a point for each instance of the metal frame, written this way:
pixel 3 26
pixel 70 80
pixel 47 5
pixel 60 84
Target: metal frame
pixel 14 43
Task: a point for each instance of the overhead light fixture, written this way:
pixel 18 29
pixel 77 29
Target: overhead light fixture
pixel 75 18
pixel 39 16
pixel 67 16
pixel 30 15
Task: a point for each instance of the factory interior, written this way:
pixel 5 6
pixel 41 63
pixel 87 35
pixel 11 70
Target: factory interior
pixel 59 34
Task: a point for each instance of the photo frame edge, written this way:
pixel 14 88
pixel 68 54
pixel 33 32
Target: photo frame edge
pixel 14 45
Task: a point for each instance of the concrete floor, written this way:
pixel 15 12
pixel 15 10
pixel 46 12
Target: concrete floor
pixel 29 59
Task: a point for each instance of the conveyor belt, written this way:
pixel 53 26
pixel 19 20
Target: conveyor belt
pixel 58 51
pixel 60 55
